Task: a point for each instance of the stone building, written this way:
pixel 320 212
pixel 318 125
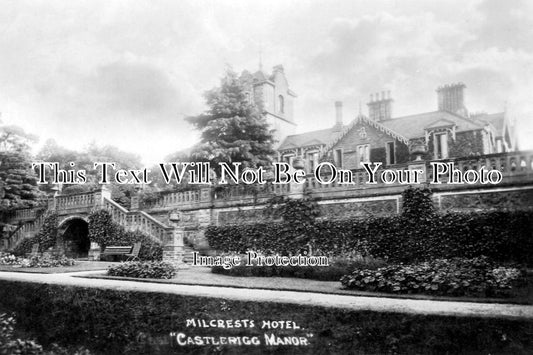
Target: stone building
pixel 448 132
pixel 271 93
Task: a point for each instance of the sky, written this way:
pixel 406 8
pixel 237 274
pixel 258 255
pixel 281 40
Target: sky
pixel 126 73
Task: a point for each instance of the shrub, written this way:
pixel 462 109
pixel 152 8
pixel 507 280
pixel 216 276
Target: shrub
pixel 9 259
pixel 9 344
pixel 144 270
pixel 454 277
pixel 24 247
pixel 46 237
pixel 47 261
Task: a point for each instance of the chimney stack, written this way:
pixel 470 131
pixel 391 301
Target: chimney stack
pixel 380 106
pixel 278 68
pixel 338 115
pixel 451 98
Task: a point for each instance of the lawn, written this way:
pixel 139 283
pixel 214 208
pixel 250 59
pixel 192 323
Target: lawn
pixel 80 265
pixel 204 276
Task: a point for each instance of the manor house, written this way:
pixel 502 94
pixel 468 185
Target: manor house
pixel 450 131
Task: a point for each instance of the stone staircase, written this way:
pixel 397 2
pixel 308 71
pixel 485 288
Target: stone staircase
pixel 188 255
pixel 28 221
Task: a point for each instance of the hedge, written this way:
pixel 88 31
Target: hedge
pixel 118 322
pixel 500 235
pixel 143 270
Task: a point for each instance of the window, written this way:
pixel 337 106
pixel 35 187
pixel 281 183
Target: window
pixel 312 160
pixel 363 154
pixel 337 157
pixel 288 159
pixel 440 145
pixel 281 104
pixel 390 153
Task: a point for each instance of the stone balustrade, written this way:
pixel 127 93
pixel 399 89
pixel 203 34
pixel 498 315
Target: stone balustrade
pixel 74 201
pixel 136 220
pixel 515 167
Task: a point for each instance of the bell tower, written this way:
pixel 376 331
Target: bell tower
pixel 271 93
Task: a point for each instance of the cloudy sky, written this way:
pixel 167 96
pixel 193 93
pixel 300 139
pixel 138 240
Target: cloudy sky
pixel 127 72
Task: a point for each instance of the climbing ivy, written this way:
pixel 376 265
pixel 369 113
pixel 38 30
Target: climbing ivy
pixel 417 204
pixel 47 235
pixel 104 231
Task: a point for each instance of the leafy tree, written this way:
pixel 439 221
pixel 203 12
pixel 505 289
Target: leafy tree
pixel 85 159
pixel 232 129
pixel 18 182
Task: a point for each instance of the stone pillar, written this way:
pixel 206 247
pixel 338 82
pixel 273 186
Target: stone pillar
pixel 296 190
pixel 173 249
pixel 135 202
pixel 99 196
pixel 94 251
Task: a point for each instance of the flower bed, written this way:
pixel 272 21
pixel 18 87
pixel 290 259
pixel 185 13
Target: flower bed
pixel 36 261
pixel 144 270
pixel 9 259
pixel 453 277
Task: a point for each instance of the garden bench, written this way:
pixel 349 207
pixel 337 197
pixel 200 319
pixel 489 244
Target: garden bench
pixel 134 252
pixel 117 250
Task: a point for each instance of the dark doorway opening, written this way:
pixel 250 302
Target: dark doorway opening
pixel 76 239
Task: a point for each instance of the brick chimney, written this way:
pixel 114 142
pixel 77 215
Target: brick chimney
pixel 380 106
pixel 338 116
pixel 278 69
pixel 451 98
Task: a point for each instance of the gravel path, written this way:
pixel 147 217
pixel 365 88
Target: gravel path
pixel 304 298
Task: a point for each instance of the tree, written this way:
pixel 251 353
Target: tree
pixel 232 129
pixel 84 160
pixel 18 182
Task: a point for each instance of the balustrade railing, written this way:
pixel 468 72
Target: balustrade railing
pixel 136 220
pixel 74 201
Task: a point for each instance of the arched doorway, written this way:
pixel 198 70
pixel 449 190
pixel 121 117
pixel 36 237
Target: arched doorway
pixel 75 238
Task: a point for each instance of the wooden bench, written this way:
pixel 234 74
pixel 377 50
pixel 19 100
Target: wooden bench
pixel 113 250
pixel 134 252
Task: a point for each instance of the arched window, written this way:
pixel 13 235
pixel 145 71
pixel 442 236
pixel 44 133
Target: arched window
pixel 281 104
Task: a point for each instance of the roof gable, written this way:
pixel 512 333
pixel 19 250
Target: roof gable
pixel 440 123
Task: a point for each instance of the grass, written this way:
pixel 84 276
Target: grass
pixel 79 266
pixel 204 276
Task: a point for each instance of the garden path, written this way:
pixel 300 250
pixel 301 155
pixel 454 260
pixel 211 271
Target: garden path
pixel 360 303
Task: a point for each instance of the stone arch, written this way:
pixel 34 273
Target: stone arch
pixel 74 236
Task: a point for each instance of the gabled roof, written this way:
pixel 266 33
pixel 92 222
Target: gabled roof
pixel 320 137
pixel 414 126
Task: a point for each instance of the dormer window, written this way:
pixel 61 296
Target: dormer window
pixel 281 104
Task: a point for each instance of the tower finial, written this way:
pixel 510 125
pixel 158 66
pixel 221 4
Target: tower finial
pixel 360 110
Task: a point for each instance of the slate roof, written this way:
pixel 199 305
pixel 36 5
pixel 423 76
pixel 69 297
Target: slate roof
pixel 323 136
pixel 413 126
